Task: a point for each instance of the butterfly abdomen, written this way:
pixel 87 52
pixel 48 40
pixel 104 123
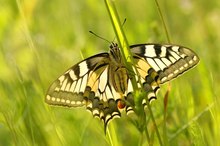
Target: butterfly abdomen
pixel 119 79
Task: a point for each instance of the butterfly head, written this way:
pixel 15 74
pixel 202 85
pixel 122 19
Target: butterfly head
pixel 115 53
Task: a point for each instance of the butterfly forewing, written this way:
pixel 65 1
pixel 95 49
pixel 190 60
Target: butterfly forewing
pixel 169 61
pixel 68 89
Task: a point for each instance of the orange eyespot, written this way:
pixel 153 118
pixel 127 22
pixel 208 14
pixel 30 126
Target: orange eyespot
pixel 121 104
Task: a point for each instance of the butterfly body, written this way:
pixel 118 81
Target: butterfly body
pixel 117 71
pixel 102 82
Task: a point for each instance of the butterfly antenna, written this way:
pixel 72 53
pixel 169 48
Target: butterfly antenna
pixel 99 37
pixel 104 38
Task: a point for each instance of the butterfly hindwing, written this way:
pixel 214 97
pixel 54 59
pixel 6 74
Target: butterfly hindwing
pixel 148 77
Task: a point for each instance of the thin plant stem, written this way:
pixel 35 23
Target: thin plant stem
pixel 165 139
pixel 154 123
pixel 162 19
pixel 109 136
pixel 147 135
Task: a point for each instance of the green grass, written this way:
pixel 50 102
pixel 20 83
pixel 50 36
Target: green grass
pixel 39 40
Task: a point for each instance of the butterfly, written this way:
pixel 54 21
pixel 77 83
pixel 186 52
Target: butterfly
pixel 103 85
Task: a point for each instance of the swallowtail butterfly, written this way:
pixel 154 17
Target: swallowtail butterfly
pixel 102 84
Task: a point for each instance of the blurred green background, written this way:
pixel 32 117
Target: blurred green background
pixel 41 39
